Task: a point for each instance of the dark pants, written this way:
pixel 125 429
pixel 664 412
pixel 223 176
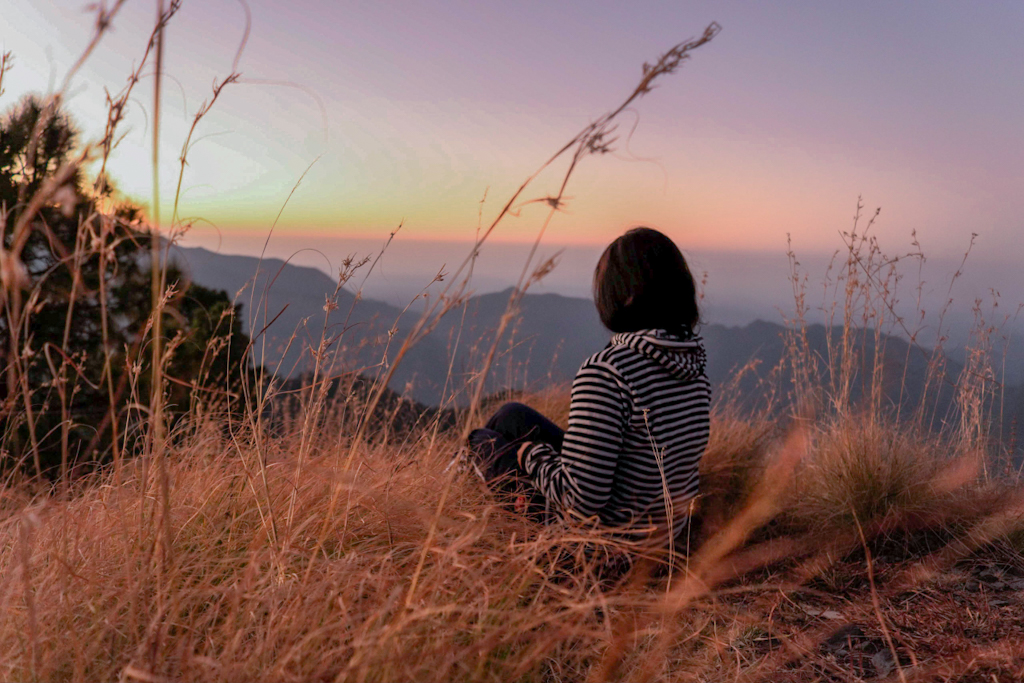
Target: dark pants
pixel 495 446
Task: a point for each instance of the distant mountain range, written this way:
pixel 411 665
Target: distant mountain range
pixel 551 336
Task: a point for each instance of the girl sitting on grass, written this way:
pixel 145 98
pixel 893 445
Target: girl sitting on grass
pixel 639 412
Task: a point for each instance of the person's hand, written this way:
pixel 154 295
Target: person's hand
pixel 522 452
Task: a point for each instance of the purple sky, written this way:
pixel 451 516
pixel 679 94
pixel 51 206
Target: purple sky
pixel 774 128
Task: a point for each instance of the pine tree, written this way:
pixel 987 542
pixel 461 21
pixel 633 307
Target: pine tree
pixel 76 307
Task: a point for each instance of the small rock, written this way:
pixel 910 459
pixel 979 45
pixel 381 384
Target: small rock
pixel 883 663
pixel 825 614
pixel 843 637
pixel 990 576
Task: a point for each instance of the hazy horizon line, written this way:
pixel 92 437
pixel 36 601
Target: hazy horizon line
pixel 218 245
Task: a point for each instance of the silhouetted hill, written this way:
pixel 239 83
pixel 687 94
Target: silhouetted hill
pixel 287 304
pixel 550 337
pixel 549 340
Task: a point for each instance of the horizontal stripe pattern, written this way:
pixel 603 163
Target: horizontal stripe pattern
pixel 639 422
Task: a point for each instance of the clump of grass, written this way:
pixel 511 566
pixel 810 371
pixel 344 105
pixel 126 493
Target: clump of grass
pixel 863 469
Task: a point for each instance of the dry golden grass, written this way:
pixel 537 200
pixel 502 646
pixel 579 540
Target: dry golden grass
pixel 397 584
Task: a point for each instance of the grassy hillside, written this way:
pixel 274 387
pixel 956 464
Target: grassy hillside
pixel 834 539
pixel 841 550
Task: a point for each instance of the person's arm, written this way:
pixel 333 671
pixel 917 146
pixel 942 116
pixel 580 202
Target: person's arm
pixel 580 477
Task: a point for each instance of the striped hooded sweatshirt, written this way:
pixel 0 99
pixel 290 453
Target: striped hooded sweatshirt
pixel 638 426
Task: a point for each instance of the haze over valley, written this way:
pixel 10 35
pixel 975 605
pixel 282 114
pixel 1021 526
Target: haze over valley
pixel 739 287
pixel 552 333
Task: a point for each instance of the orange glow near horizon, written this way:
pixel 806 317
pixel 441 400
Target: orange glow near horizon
pixel 772 130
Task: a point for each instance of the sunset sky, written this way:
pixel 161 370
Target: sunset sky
pixel 416 109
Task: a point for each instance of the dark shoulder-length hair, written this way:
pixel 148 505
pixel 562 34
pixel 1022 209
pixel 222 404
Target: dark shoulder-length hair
pixel 642 282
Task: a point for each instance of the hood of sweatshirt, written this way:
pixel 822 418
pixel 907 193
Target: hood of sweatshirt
pixel 683 357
